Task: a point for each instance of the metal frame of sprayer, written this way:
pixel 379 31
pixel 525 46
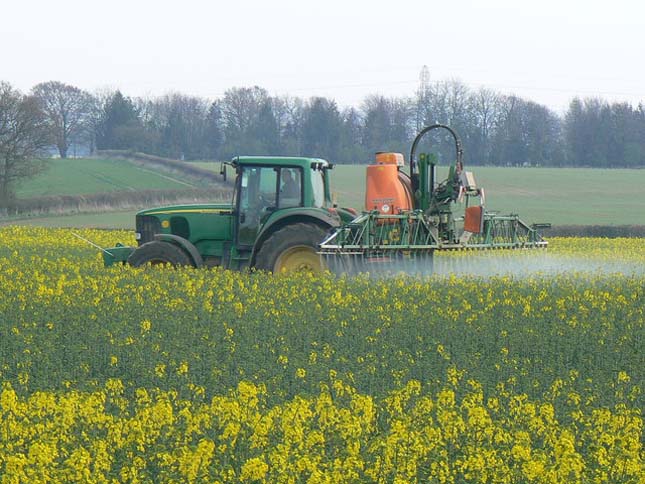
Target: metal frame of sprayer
pixel 412 236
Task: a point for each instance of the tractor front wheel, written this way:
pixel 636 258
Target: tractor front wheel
pixel 158 252
pixel 292 249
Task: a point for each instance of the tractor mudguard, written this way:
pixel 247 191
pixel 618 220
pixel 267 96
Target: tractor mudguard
pixel 347 214
pixel 184 244
pixel 295 215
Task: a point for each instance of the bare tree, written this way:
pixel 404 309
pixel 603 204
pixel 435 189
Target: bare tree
pixel 484 106
pixel 321 128
pixel 458 114
pixel 96 116
pixel 388 123
pixel 67 110
pixel 23 138
pixel 240 111
pixel 290 114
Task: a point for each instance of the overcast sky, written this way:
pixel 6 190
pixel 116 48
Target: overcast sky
pixel 548 50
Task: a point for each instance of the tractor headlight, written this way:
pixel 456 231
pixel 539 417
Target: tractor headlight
pixel 137 235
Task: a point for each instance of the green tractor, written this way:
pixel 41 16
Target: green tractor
pixel 282 219
pixel 281 211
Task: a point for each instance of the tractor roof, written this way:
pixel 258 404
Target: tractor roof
pixel 279 161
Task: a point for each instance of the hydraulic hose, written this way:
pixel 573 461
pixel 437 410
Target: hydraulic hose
pixel 414 169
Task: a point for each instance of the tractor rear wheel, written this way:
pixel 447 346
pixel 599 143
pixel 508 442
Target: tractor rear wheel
pixel 292 249
pixel 158 252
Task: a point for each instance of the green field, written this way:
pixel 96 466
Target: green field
pixel 579 196
pixel 558 195
pixel 82 176
pixel 575 196
pixel 109 220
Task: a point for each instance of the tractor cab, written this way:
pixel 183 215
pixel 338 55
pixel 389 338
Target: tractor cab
pixel 266 187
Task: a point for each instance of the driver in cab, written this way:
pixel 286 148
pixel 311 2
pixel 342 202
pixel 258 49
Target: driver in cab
pixel 290 188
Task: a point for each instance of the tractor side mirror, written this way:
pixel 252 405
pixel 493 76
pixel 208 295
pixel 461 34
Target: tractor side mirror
pixel 222 170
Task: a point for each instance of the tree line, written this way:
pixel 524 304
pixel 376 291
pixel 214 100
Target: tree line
pixel 496 129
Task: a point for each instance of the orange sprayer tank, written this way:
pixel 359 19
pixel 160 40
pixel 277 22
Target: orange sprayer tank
pixel 385 191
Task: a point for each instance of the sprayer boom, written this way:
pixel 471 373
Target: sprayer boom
pixel 408 218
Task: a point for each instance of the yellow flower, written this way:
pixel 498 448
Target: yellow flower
pixel 182 369
pixel 254 469
pixel 623 377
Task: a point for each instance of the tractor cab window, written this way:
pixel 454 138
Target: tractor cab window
pixel 318 187
pixel 257 199
pixel 290 194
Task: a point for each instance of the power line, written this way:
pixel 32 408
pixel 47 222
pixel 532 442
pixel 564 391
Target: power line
pixel 468 84
pixel 424 79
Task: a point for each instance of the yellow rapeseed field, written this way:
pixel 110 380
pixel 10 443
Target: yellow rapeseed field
pixel 163 375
